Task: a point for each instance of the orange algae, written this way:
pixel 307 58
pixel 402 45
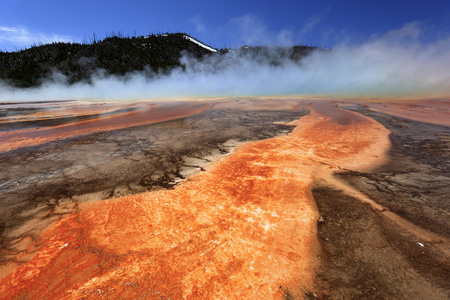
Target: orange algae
pixel 429 111
pixel 244 229
pixel 148 115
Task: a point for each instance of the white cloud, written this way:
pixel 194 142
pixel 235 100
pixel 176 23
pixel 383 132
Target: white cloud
pixel 13 38
pixel 311 23
pixel 199 25
pixel 250 29
pixel 284 38
pixel 411 31
pixel 397 63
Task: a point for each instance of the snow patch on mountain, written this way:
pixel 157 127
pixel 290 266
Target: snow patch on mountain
pixel 200 44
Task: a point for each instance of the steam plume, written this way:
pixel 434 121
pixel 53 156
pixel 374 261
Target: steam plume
pixel 399 63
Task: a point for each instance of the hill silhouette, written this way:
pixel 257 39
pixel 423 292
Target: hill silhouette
pixel 153 54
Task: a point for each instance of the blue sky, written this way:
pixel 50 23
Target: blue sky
pixel 219 23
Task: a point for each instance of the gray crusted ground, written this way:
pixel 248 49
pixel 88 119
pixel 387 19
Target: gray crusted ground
pixel 367 257
pixel 48 180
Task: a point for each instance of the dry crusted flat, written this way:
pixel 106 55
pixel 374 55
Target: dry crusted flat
pixel 366 257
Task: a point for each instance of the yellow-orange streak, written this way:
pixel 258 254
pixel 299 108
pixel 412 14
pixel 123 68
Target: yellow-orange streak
pixel 51 110
pixel 153 114
pixel 428 111
pixel 246 229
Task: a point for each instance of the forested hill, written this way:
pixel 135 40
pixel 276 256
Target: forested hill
pixel 113 55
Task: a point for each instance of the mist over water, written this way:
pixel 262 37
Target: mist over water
pixel 398 63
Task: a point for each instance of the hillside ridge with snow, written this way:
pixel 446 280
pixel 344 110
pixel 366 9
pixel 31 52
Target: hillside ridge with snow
pixel 152 54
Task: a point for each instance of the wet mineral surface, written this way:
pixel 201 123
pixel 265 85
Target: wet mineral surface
pixel 369 258
pixel 231 198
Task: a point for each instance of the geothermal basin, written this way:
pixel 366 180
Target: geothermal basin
pixel 243 198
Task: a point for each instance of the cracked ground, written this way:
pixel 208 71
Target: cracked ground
pixel 84 198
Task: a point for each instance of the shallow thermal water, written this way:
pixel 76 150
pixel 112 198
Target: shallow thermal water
pixel 146 114
pixel 244 229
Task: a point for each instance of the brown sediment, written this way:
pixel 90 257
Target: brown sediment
pixel 420 234
pixel 368 257
pixel 415 181
pixel 244 229
pixel 384 232
pixel 148 114
pixel 47 182
pixel 428 111
pixel 35 111
pixel 252 104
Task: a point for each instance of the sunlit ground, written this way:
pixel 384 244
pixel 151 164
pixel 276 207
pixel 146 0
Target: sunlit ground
pixel 244 229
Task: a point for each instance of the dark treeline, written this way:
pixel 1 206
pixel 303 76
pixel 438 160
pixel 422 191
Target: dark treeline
pixel 116 55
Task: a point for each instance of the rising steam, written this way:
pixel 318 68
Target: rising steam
pixel 398 63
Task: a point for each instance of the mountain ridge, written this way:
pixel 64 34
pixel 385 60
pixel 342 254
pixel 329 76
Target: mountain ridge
pixel 152 54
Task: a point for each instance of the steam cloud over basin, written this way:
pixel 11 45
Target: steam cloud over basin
pixel 398 63
pixel 337 199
